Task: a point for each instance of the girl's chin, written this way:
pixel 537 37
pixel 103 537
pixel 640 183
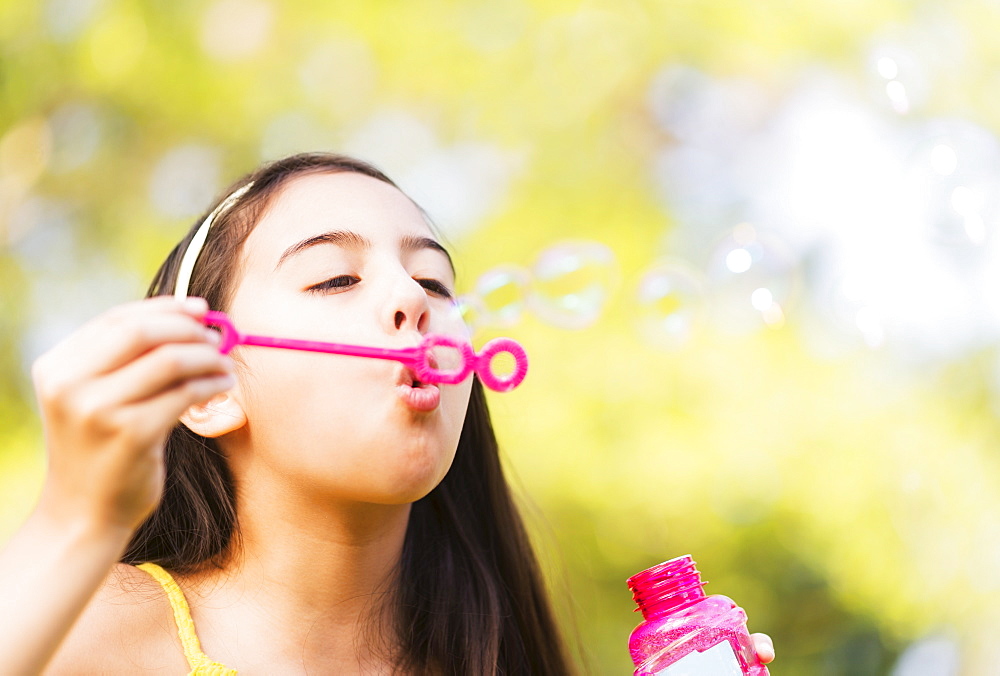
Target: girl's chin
pixel 391 498
pixel 396 484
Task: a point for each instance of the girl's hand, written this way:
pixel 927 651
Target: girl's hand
pixel 764 646
pixel 109 395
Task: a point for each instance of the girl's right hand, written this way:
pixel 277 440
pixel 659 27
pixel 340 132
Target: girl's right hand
pixel 109 395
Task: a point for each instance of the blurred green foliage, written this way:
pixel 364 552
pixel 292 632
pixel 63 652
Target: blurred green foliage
pixel 848 503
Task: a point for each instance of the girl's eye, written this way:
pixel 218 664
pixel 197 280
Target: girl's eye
pixel 435 287
pixel 341 282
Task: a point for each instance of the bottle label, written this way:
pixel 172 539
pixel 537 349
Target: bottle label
pixel 719 660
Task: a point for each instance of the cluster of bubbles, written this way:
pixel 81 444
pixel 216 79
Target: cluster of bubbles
pixel 748 283
pixel 891 212
pixel 567 286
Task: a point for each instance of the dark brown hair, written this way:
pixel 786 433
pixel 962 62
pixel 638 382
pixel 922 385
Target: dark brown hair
pixel 468 592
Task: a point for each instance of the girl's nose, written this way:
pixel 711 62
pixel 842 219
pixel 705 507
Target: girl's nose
pixel 408 307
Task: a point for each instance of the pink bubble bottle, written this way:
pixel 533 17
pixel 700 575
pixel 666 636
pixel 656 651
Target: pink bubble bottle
pixel 685 632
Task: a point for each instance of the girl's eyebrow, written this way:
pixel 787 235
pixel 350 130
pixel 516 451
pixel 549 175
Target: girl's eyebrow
pixel 412 243
pixel 352 240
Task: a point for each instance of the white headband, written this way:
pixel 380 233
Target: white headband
pixel 198 241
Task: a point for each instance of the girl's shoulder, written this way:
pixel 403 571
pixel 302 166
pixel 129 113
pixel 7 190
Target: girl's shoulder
pixel 127 628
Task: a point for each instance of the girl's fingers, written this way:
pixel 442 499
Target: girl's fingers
pixel 171 403
pixel 128 331
pixel 764 646
pixel 160 369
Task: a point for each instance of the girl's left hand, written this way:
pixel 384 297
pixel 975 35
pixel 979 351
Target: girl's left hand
pixel 764 646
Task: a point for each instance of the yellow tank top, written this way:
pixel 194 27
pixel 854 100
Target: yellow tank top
pixel 199 662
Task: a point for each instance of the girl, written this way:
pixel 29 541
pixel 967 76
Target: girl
pixel 309 513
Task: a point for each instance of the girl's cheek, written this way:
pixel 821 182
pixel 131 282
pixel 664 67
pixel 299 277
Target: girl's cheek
pixel 451 323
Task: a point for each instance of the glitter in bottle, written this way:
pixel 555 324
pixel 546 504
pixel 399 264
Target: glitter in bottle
pixel 685 632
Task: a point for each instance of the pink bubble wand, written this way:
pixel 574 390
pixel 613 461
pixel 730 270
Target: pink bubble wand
pixel 419 357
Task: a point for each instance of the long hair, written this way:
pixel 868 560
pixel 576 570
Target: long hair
pixel 468 592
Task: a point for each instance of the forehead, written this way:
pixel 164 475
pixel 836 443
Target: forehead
pixel 312 204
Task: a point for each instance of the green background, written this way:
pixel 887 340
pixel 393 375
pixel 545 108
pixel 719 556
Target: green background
pixel 847 499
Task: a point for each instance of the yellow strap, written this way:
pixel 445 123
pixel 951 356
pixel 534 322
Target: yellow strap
pixel 199 662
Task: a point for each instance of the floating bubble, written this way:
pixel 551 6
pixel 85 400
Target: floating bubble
pixel 751 279
pixel 471 311
pixel 456 318
pixel 571 283
pixel 501 294
pixel 670 296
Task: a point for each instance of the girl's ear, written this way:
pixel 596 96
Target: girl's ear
pixel 219 415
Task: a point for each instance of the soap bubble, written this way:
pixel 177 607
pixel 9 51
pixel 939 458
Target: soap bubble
pixel 571 282
pixel 751 279
pixel 501 294
pixel 671 303
pixel 471 311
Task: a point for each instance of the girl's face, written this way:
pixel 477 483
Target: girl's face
pixel 342 257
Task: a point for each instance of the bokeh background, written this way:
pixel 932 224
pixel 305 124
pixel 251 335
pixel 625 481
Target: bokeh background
pixel 751 247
